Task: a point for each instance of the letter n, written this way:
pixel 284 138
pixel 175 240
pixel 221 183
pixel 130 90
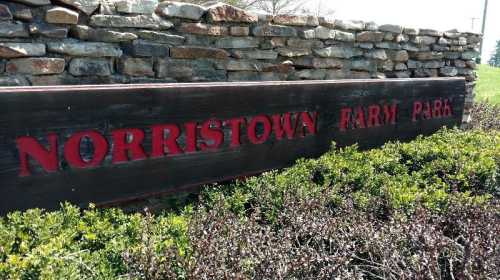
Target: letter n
pixel 30 147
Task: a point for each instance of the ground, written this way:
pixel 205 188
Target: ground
pixel 488 84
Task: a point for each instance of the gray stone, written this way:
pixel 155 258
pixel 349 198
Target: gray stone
pixel 349 25
pixel 296 20
pixel 48 30
pixel 469 55
pixel 370 36
pixel 367 46
pixel 338 52
pixel 243 65
pixel 432 64
pixel 308 34
pixel 430 32
pixel 327 22
pixel 423 73
pixel 221 12
pixel 338 74
pixel 13 81
pixel 413 64
pixel 398 56
pixel 138 67
pixel 5 14
pixel 21 12
pixel 443 41
pixel 255 54
pixel 203 29
pixel 198 52
pixel 61 15
pixel 35 66
pixel 13 50
pixel 448 71
pixel 318 63
pixel 237 43
pixel 440 48
pixel 386 65
pixel 146 49
pixel 360 75
pixel 239 30
pixel 321 32
pixel 345 36
pixel 13 30
pixel 388 45
pixel 160 37
pixel 452 34
pixel 410 31
pixel 92 49
pixel 189 70
pixel 428 56
pixel 410 47
pixel 396 29
pixel 274 31
pixel 363 65
pixel 180 10
pixel 87 33
pixel 311 74
pixel 86 6
pixel 33 2
pixel 136 6
pixel 255 76
pixel 294 52
pixel 459 63
pixel 462 41
pixel 300 43
pixel 424 40
pixel 376 54
pixel 139 21
pixel 402 38
pixel 90 67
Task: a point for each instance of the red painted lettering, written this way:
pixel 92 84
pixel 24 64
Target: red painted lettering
pixel 417 110
pixel 447 111
pixel 309 122
pixel 123 146
pixel 236 131
pixel 191 137
pixel 390 113
pixel 427 111
pixel 212 130
pixel 360 117
pixel 283 125
pixel 160 141
pixel 437 110
pixel 72 149
pixel 345 118
pixel 373 116
pixel 252 129
pixel 47 158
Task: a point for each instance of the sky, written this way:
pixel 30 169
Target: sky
pixel 436 14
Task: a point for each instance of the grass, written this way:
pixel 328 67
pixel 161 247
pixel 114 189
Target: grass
pixel 488 84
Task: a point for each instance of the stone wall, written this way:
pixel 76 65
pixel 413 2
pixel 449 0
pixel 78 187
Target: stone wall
pixel 58 42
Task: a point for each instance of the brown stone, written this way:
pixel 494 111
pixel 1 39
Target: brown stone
pixel 198 52
pixel 35 66
pixel 370 36
pixel 239 30
pixel 14 50
pixel 61 15
pixel 5 14
pixel 227 13
pixel 296 20
pixel 138 67
pixel 203 29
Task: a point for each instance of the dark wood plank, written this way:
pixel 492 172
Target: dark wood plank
pixel 65 110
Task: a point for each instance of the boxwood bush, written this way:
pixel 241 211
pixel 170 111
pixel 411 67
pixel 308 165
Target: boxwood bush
pixel 403 211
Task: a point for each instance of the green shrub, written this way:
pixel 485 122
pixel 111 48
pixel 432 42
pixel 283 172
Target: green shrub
pixel 262 227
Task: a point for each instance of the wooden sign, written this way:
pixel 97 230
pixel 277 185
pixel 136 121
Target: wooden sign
pixel 107 143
